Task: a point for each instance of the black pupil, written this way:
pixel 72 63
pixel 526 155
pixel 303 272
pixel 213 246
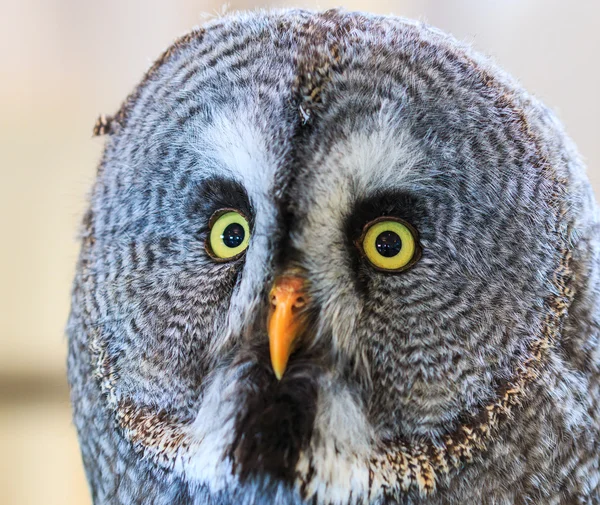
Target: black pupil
pixel 233 235
pixel 388 244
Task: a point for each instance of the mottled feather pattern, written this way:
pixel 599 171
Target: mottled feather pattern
pixel 472 377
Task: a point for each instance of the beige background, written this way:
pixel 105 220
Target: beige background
pixel 66 61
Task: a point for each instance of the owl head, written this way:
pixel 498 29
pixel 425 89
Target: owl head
pixel 327 257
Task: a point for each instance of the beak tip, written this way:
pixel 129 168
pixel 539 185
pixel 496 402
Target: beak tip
pixel 278 371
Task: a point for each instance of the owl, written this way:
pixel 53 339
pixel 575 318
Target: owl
pixel 335 258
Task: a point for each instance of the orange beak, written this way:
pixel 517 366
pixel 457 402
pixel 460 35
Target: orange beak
pixel 287 297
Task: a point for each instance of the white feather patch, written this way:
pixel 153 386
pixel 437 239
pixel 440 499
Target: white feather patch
pixel 340 448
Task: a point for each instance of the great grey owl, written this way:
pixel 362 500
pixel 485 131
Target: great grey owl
pixel 336 258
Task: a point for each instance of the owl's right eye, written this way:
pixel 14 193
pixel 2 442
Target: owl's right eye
pixel 229 235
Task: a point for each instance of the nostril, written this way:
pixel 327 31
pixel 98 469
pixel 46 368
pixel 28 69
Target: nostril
pixel 299 302
pixel 273 300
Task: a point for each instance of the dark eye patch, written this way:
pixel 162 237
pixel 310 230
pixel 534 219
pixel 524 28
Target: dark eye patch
pixel 400 204
pixel 219 193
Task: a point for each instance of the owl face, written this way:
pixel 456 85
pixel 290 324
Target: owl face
pixel 313 239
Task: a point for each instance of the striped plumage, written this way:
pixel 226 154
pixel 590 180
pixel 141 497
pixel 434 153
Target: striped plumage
pixel 472 377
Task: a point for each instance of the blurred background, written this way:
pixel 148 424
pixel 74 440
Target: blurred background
pixel 67 61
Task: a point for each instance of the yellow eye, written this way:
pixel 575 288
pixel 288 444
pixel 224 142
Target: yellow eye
pixel 229 235
pixel 390 244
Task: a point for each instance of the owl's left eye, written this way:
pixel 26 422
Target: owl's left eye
pixel 229 235
pixel 390 244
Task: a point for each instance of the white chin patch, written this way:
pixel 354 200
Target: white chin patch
pixel 336 466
